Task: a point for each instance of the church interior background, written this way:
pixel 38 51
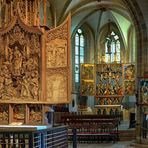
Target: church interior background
pixel 86 57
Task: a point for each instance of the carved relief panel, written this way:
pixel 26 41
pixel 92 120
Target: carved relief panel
pixel 56 53
pixel 57 82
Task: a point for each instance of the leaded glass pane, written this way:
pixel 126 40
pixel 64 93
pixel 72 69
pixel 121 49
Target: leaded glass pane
pixel 76 68
pixel 113 47
pixel 113 33
pixel 76 39
pixel 81 59
pixel 118 56
pixel 82 40
pixel 79 31
pixel 116 37
pixel 76 59
pixel 76 50
pixel 112 57
pixel 76 77
pixel 81 51
pixel 118 46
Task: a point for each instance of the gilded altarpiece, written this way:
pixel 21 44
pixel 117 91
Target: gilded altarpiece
pixel 58 63
pixel 109 88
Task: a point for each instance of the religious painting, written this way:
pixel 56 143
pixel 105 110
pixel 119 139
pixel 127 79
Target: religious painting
pixel 144 91
pixel 35 114
pixel 19 113
pixel 129 71
pixel 129 87
pixel 87 71
pixel 87 88
pixel 87 79
pixel 4 114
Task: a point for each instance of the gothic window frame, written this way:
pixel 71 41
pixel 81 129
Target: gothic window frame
pixel 112 48
pixel 79 50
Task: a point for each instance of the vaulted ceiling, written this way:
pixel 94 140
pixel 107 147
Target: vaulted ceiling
pixel 95 13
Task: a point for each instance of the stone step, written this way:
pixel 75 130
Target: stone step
pixel 139 143
pixel 136 145
pixel 127 135
pixel 144 141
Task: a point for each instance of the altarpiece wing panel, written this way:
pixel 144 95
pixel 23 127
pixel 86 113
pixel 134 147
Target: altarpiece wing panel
pixel 58 63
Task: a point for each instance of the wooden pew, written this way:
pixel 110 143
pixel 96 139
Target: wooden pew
pixel 93 128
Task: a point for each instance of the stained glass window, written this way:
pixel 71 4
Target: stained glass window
pixel 79 53
pixel 112 48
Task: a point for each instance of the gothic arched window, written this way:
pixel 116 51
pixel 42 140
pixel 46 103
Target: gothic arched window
pixel 112 48
pixel 79 53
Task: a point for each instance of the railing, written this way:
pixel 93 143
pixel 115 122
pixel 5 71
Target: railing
pixel 20 137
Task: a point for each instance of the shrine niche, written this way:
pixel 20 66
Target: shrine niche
pixel 58 63
pixel 35 114
pixel 19 63
pixel 18 113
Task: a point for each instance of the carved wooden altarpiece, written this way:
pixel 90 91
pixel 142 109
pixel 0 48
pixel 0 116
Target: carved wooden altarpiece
pixel 28 84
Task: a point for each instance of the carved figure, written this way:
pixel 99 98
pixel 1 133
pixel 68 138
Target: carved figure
pixel 8 83
pixel 35 116
pixel 17 61
pixel 25 92
pixel 1 86
pixel 34 84
pixel 144 92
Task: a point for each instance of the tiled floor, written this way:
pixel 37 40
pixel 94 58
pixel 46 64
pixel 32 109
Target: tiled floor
pixel 104 145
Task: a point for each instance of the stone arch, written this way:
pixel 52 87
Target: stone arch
pixel 141 34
